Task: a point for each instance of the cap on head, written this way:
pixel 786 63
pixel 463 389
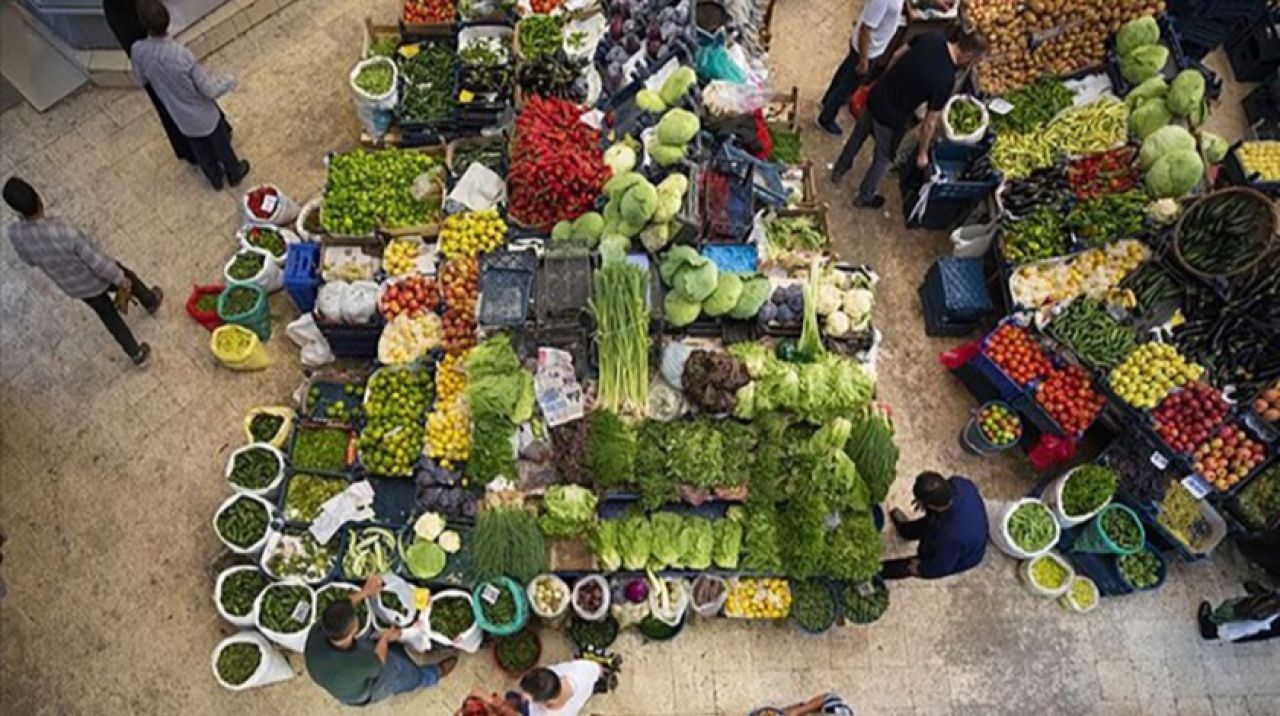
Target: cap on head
pixel 541 684
pixel 338 620
pixel 21 197
pixel 933 491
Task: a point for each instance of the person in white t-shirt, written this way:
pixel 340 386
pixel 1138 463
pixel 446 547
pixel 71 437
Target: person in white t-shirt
pixel 871 37
pixel 561 690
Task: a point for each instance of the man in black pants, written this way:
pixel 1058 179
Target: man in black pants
pixel 875 29
pixel 924 71
pixel 67 256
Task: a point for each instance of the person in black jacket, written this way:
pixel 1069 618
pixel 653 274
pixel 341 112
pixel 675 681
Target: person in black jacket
pixel 122 18
pixel 1254 617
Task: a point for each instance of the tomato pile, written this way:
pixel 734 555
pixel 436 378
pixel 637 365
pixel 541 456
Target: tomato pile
pixel 545 7
pixel 1069 398
pixel 460 283
pixel 557 167
pixel 1227 458
pixel 1186 417
pixel 413 295
pixel 1111 172
pixel 424 12
pixel 1017 354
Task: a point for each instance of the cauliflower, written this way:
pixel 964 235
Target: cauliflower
pixel 837 324
pixel 1164 211
pixel 858 303
pixel 829 298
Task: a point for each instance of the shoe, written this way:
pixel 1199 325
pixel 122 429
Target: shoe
pixel 830 126
pixel 447 666
pixel 835 177
pixel 1207 630
pixel 876 202
pixel 144 352
pixel 217 185
pixel 240 175
pixel 159 294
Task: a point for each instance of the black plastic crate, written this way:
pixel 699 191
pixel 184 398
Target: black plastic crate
pixel 1255 53
pixel 562 288
pixel 959 287
pixel 1237 175
pixel 352 341
pixel 937 324
pixel 435 130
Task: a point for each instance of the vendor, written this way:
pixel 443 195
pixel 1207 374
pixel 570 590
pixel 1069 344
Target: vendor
pixel 1255 617
pixel 923 72
pixel 359 672
pixel 952 533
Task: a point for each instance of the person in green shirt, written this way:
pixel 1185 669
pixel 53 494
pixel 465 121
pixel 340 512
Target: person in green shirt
pixel 359 672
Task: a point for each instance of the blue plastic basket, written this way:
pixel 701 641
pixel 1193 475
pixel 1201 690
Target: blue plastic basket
pixel 735 258
pixel 959 287
pixel 302 274
pixel 949 162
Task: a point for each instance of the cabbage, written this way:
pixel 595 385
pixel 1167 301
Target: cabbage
pixel 1213 148
pixel 1154 88
pixel 655 237
pixel 1149 117
pixel 638 205
pixel 1143 63
pixel 587 228
pixel 677 127
pixel 678 84
pixel 649 101
pixel 697 283
pixel 1186 92
pixel 677 258
pixel 755 292
pixel 666 155
pixel 562 231
pixel 424 559
pixel 613 248
pixel 725 297
pixel 1175 174
pixel 1136 33
pixel 1165 141
pixel 620 158
pixel 678 310
pixel 620 183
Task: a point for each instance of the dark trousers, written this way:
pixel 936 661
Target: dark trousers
pixel 886 139
pixel 104 305
pixel 177 140
pixel 912 531
pixel 845 82
pixel 217 159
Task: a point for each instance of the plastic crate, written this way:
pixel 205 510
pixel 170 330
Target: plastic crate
pixel 393 499
pixel 735 258
pixel 352 341
pixel 562 289
pixel 1237 175
pixel 302 274
pixel 936 322
pixel 1256 53
pixel 948 162
pixel 418 132
pixel 959 287
pixel 726 201
pixel 315 425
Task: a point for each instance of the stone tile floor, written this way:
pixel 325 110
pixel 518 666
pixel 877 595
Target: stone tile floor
pixel 111 475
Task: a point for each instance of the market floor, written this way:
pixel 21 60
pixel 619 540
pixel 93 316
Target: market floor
pixel 111 475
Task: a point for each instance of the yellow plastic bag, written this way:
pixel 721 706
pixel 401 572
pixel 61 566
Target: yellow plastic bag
pixel 238 348
pixel 282 435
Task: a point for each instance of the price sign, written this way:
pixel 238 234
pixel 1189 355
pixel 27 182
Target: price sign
pixel 301 611
pixel 1159 460
pixel 1000 106
pixel 1196 486
pixel 269 203
pixel 490 594
pixel 866 589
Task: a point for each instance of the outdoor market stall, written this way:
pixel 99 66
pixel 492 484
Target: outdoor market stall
pixel 1137 362
pixel 601 367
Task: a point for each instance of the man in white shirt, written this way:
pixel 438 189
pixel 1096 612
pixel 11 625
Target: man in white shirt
pixel 561 690
pixel 876 27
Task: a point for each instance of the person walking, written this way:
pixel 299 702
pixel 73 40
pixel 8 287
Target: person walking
pixel 122 18
pixel 952 533
pixel 359 672
pixel 189 94
pixel 562 689
pixel 922 72
pixel 1254 617
pixel 876 26
pixel 82 271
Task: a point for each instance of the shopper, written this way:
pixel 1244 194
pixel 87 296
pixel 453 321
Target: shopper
pixel 1255 617
pixel 871 36
pixel 561 690
pixel 189 94
pixel 952 533
pixel 82 271
pixel 820 705
pixel 122 18
pixel 356 671
pixel 923 72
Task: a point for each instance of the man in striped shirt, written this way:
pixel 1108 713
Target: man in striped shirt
pixel 189 94
pixel 67 257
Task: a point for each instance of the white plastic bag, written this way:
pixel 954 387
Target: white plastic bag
pixel 242 235
pixel 470 639
pixel 970 138
pixel 270 277
pixel 713 607
pixel 281 210
pixel 271 487
pixel 603 610
pixel 404 591
pixel 1024 572
pixel 1053 498
pixel 998 514
pixel 300 224
pixel 294 641
pixel 256 548
pixel 375 111
pixel 970 242
pixel 329 300
pixel 559 608
pixel 315 350
pixel 273 667
pixel 246 621
pixel 359 302
pixel 668 600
